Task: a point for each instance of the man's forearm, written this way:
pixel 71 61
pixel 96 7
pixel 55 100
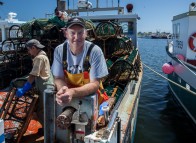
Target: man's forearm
pixel 31 78
pixel 59 82
pixel 86 89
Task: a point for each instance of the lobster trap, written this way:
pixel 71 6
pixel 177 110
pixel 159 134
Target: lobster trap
pixel 14 62
pixel 17 112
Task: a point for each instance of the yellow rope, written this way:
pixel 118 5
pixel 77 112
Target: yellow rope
pixel 190 91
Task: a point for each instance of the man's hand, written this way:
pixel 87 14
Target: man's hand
pixel 21 91
pixel 64 95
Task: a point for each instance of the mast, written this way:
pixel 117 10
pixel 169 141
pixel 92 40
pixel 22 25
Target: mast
pixel 97 3
pixel 68 4
pixel 57 3
pixel 61 5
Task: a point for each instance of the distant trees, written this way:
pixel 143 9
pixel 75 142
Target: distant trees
pixel 149 34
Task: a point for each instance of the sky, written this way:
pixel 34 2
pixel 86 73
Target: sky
pixel 156 15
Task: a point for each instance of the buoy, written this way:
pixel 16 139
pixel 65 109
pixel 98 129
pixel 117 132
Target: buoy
pixel 180 57
pixel 167 68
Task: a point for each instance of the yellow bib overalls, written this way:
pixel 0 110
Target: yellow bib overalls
pixel 77 80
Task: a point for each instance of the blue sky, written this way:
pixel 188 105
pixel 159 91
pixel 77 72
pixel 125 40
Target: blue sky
pixel 156 15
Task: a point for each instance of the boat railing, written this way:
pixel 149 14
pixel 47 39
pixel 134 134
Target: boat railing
pixel 88 7
pixel 75 12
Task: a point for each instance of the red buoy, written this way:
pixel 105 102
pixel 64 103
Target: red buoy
pixel 129 7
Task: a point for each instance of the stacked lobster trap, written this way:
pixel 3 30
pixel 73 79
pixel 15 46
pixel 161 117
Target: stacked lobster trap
pixel 122 58
pixel 14 58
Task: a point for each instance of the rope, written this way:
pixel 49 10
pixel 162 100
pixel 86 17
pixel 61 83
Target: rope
pixel 186 66
pixel 190 91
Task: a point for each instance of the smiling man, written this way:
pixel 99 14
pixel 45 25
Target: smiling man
pixel 78 65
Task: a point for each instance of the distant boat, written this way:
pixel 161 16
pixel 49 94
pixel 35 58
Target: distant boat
pixel 158 36
pixel 181 66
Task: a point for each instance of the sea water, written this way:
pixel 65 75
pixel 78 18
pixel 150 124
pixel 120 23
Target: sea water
pixel 160 118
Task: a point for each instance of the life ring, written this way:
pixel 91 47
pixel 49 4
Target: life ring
pixel 191 42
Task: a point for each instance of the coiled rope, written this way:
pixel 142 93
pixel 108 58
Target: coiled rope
pixel 190 91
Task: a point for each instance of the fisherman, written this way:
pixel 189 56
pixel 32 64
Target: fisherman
pixel 59 19
pixel 78 65
pixel 40 75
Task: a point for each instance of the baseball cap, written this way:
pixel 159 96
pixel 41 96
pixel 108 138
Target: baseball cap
pixel 34 42
pixel 75 21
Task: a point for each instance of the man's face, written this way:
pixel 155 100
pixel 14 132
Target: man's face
pixel 76 35
pixel 32 51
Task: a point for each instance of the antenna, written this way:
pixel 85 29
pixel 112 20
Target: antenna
pixel 68 4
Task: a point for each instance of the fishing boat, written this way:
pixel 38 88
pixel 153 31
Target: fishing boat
pixel 181 66
pixel 79 120
pixel 159 35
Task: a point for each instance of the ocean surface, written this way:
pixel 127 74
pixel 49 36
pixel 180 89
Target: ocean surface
pixel 160 118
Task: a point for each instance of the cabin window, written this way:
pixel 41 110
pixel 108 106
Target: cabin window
pixel 128 27
pixel 176 30
pixel 124 26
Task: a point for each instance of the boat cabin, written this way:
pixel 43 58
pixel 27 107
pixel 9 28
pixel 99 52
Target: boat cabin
pixel 184 35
